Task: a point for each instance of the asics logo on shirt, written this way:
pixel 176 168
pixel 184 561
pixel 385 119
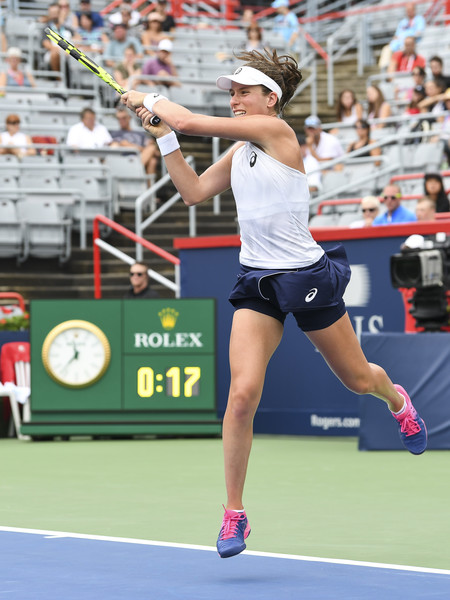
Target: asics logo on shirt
pixel 311 294
pixel 252 159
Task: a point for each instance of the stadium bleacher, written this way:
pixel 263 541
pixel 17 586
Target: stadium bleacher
pixel 112 182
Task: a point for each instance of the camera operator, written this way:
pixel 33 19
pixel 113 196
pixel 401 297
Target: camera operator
pixel 395 213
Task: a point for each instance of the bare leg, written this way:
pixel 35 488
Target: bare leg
pixel 254 338
pixel 149 158
pixel 340 348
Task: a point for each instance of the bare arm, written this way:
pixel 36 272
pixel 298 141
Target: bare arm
pixel 268 132
pixel 193 188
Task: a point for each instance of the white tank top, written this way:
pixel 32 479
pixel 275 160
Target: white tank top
pixel 272 202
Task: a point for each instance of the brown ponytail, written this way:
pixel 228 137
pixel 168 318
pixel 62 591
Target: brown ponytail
pixel 282 69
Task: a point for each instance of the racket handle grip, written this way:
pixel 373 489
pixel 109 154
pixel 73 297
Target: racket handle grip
pixel 155 121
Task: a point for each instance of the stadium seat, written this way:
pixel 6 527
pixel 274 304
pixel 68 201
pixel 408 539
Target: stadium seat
pixel 43 165
pixel 96 202
pixel 46 235
pixel 38 180
pixel 332 180
pixel 190 96
pixel 11 230
pixel 129 178
pixel 330 220
pixel 9 165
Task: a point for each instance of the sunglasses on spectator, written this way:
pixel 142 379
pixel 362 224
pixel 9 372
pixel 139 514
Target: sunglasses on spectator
pixel 368 210
pixel 137 273
pixel 392 197
pixel 12 122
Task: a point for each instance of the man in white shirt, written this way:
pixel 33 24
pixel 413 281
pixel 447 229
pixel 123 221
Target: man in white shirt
pixel 322 146
pixel 311 165
pixel 87 133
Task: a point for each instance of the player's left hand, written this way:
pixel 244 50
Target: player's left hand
pixel 156 131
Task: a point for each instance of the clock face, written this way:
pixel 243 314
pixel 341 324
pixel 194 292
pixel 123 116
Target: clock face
pixel 76 353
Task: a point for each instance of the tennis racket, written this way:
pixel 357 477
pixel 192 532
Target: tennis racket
pixel 89 64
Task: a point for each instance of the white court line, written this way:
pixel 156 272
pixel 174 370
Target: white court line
pixel 333 561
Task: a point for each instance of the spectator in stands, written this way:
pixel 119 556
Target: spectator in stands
pixel 85 6
pixel 153 33
pixel 433 188
pixel 413 108
pixel 436 67
pixel 126 137
pixel 348 109
pixel 161 65
pixel 425 209
pixel 3 40
pixel 435 95
pixel 322 146
pixel 53 54
pixel 115 49
pixel 88 134
pixel 418 94
pixel 395 212
pixel 377 107
pixel 15 141
pixel 419 76
pixel 363 132
pixel 411 25
pixel 254 38
pixel 254 41
pixel 168 22
pixel 285 23
pixel 406 60
pixel 129 67
pixel 140 282
pixel 311 165
pixel 445 131
pixel 14 76
pixel 88 38
pixel 370 208
pixel 125 14
pixel 248 18
pixel 67 17
pixel 403 88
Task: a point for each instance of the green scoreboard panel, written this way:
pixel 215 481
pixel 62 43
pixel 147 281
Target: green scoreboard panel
pixel 123 367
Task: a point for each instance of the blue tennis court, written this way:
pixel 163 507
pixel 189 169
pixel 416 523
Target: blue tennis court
pixel 63 566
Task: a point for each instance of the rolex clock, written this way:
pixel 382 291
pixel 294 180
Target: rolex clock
pixel 76 353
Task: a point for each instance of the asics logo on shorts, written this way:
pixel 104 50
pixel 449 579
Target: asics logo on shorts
pixel 252 159
pixel 311 294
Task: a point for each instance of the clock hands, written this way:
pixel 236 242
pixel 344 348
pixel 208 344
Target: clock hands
pixel 74 357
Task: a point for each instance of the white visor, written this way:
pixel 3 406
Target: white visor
pixel 248 76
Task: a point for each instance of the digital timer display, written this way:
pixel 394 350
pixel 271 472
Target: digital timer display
pixel 166 383
pixel 175 382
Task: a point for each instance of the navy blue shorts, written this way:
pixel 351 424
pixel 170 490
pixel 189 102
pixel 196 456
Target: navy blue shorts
pixel 312 294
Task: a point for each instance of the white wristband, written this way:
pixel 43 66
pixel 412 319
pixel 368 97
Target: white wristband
pixel 151 99
pixel 168 143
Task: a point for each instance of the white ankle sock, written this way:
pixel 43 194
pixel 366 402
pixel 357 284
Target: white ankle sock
pixel 401 411
pixel 238 511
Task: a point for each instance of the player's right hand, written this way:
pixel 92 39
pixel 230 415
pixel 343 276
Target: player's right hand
pixel 133 99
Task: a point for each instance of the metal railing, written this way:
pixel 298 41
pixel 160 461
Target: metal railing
pixel 148 197
pixel 98 244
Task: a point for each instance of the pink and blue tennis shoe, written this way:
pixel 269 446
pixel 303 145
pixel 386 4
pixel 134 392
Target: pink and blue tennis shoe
pixel 235 529
pixel 412 429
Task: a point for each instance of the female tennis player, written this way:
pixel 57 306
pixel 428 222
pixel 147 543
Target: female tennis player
pixel 282 268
